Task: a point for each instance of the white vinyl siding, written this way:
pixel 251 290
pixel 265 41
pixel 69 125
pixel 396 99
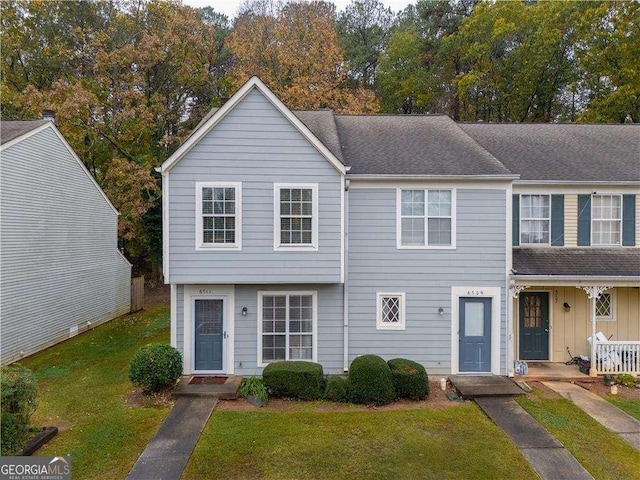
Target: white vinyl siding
pixel 535 219
pixel 295 222
pixel 606 219
pixel 287 326
pixel 390 311
pixel 426 218
pixel 218 216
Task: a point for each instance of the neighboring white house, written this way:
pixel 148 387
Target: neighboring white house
pixel 60 268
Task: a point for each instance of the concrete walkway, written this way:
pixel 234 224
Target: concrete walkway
pixel 169 450
pixel 627 427
pixel 545 454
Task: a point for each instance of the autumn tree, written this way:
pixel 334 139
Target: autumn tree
pixel 128 81
pixel 294 49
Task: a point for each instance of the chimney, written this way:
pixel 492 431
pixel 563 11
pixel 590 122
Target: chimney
pixel 49 115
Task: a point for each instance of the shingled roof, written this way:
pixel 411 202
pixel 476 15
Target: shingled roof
pixel 429 145
pixel 563 152
pixel 564 262
pixel 10 129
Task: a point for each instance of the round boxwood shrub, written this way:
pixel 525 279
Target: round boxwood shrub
pixel 336 390
pixel 18 402
pixel 370 381
pixel 155 366
pixel 294 379
pixel 409 379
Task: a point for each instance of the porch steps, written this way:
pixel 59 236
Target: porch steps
pixel 472 386
pixel 226 390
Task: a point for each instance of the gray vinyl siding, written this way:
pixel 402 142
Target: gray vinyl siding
pixel 60 264
pixel 425 276
pixel 256 145
pixel 245 335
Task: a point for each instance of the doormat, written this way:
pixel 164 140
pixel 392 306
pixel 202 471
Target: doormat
pixel 207 380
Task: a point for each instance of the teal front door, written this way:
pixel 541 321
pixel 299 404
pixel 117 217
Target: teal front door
pixel 534 326
pixel 209 334
pixel 475 334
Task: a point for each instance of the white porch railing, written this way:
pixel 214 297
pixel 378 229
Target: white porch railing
pixel 618 357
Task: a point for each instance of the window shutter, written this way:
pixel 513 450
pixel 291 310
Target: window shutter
pixel 629 220
pixel 557 220
pixel 584 220
pixel 515 215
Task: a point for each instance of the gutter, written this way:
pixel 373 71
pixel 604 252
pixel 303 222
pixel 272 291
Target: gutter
pixel 470 178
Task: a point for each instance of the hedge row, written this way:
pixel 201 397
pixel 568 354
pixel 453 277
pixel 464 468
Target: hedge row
pixel 371 381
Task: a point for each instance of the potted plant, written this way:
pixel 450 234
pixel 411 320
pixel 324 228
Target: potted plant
pixel 253 389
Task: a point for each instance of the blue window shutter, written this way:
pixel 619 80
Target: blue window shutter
pixel 629 220
pixel 515 214
pixel 584 220
pixel 557 220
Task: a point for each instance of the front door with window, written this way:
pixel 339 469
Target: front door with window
pixel 475 334
pixel 534 326
pixel 209 334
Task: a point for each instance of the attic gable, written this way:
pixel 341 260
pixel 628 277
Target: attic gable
pixel 217 115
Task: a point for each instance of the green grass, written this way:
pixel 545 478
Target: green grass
pixel 81 386
pixel 603 453
pixel 457 442
pixel 632 407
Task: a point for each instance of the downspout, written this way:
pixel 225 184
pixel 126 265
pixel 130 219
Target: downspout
pixel 345 283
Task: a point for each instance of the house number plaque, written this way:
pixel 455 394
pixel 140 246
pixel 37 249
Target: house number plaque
pixel 475 293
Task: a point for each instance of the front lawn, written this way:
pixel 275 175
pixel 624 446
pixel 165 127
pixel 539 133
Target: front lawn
pixel 451 442
pixel 82 384
pixel 628 405
pixel 603 453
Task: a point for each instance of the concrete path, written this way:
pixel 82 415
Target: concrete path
pixel 602 411
pixel 545 454
pixel 169 450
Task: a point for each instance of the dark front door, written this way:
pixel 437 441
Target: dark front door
pixel 209 331
pixel 534 326
pixel 475 335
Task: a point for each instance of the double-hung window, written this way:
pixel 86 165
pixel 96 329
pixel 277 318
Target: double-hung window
pixel 295 216
pixel 535 219
pixel 287 326
pixel 426 218
pixel 218 216
pixel 606 219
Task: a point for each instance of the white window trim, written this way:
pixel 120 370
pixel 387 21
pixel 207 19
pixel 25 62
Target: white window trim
pixel 522 218
pixel 314 330
pixel 279 247
pixel 399 244
pixel 604 194
pixel 200 245
pixel 380 325
pixel 612 317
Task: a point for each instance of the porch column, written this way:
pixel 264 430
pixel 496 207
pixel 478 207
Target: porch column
pixel 511 351
pixel 593 292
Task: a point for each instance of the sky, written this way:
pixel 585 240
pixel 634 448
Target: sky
pixel 230 7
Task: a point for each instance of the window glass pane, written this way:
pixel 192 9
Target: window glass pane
pixel 296 212
pixel 439 231
pixel 474 319
pixel 391 310
pixel 440 203
pixel 281 325
pixel 603 305
pixel 285 194
pixel 412 231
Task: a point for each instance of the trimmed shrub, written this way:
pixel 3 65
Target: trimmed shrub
pixel 626 379
pixel 370 381
pixel 409 379
pixel 18 402
pixel 336 390
pixel 294 379
pixel 155 366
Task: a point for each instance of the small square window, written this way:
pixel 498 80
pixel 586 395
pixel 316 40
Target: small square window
pixel 390 311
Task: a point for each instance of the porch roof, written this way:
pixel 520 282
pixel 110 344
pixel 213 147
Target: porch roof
pixel 587 263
